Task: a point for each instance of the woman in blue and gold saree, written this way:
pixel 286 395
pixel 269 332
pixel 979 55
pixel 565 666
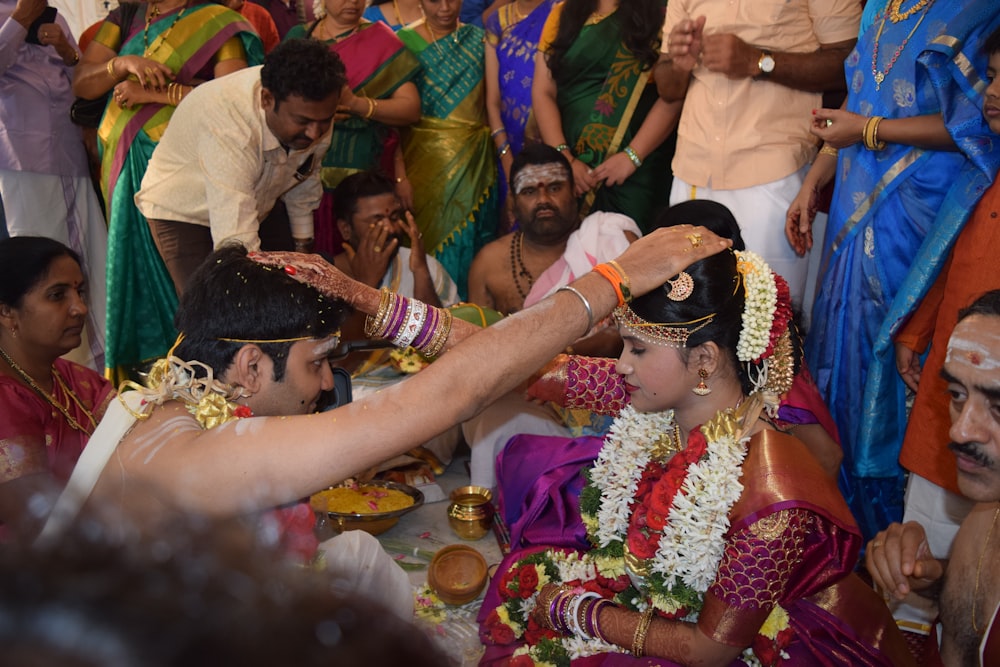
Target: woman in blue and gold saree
pixel 511 43
pixel 897 209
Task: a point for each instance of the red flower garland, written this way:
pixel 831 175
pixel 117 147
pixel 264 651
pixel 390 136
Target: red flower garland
pixel 655 494
pixel 782 315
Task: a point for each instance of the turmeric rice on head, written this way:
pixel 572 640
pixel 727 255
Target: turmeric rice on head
pixel 362 500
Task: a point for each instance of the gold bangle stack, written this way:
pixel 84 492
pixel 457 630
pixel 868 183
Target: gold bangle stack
pixel 639 640
pixel 372 106
pixel 375 324
pixel 870 134
pixel 111 68
pixel 440 337
pixel 175 93
pixel 827 149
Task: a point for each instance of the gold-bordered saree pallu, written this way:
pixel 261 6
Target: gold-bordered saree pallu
pixel 141 296
pixel 449 153
pixel 603 99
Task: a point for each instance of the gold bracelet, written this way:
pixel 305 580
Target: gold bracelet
pixel 111 67
pixel 372 105
pixel 441 335
pixel 374 324
pixel 827 149
pixel 870 134
pixel 639 639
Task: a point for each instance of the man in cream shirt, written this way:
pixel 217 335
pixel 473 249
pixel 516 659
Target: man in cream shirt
pixel 234 147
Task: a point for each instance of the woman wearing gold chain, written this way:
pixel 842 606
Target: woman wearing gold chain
pixel 151 55
pixel 699 530
pixel 915 154
pixel 50 406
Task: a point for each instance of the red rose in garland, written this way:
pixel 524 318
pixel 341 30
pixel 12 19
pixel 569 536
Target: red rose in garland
pixel 527 579
pixel 535 633
pixel 499 632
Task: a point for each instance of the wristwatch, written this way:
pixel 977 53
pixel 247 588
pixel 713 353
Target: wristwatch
pixel 766 63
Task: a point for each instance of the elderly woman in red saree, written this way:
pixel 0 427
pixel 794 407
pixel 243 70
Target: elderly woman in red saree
pixel 592 102
pixel 702 533
pixel 382 97
pixel 151 54
pixel 448 154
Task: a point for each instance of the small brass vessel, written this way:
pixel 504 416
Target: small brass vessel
pixel 470 513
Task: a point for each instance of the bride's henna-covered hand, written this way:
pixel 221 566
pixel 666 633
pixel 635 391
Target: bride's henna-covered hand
pixel 319 274
pixel 331 282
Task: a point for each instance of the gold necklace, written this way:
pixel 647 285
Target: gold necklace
pixel 50 398
pixel 163 36
pixel 399 16
pixel 979 569
pixel 518 16
pixel 667 444
pixel 896 16
pixel 434 37
pixel 878 74
pixel 328 35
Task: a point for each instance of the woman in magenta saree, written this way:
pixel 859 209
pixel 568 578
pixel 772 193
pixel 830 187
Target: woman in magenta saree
pixel 380 74
pixel 695 530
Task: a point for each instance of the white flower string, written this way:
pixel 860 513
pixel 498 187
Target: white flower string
pixel 692 543
pixel 625 454
pixel 691 547
pixel 761 303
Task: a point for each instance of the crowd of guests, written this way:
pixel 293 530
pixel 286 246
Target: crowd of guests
pixel 450 164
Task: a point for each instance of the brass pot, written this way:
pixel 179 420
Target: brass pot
pixel 470 513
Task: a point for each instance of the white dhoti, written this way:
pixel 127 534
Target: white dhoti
pixel 760 211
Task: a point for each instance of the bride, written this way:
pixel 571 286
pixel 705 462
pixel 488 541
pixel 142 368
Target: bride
pixel 702 534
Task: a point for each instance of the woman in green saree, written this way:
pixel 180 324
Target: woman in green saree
pixel 382 97
pixel 592 102
pixel 152 57
pixel 448 155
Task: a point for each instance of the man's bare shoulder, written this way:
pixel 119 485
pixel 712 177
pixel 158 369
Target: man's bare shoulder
pixel 167 426
pixel 496 251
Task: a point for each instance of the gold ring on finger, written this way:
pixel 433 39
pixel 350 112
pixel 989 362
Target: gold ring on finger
pixel 377 248
pixel 876 545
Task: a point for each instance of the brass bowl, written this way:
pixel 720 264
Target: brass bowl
pixel 371 522
pixel 457 574
pixel 470 513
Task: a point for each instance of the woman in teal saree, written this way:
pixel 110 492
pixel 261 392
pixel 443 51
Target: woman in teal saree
pixel 151 62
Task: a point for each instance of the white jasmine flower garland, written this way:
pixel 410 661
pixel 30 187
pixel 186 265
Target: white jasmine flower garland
pixel 761 303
